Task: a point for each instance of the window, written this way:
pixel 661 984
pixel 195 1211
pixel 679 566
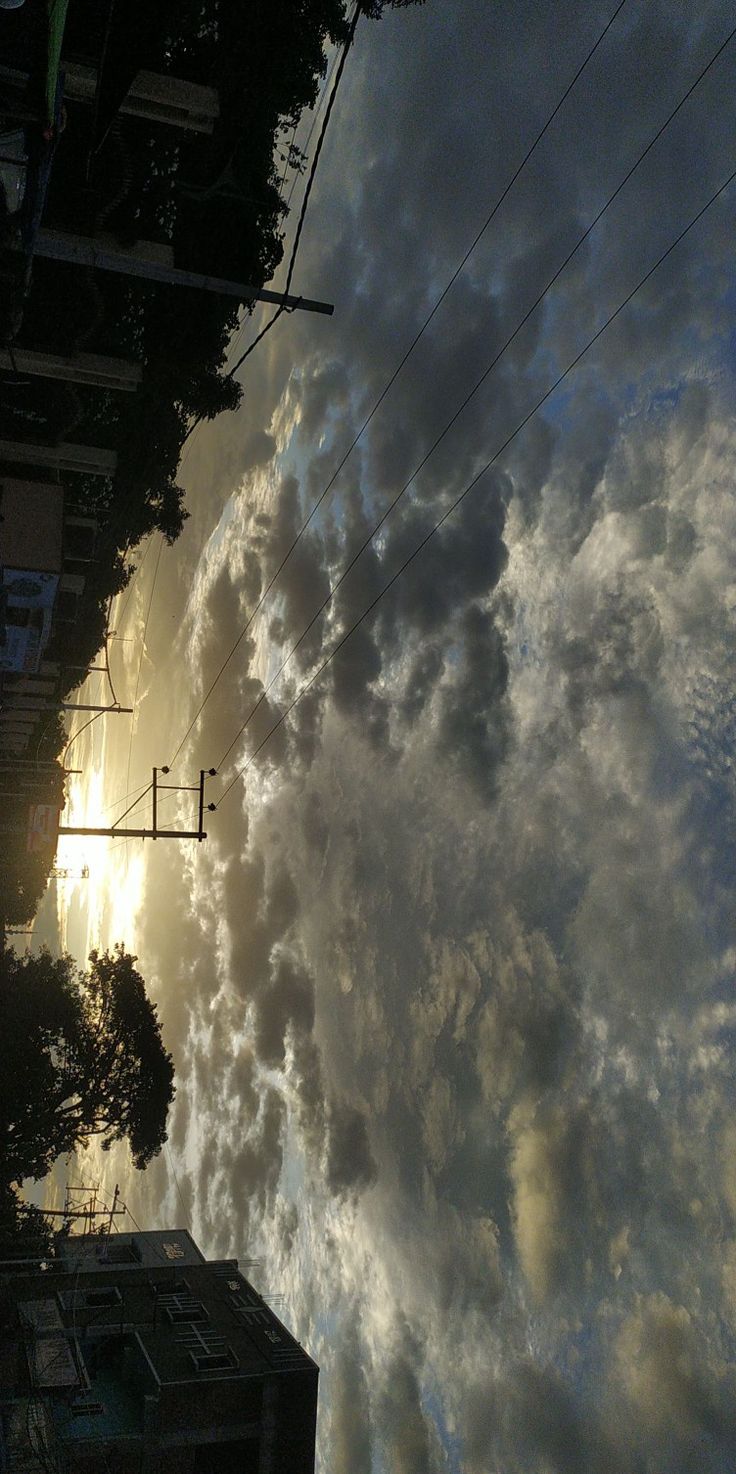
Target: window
pixel 213 1361
pixel 93 1299
pixel 182 1309
pixel 126 1253
pixel 208 1350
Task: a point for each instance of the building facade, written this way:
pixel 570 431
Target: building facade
pixel 131 1353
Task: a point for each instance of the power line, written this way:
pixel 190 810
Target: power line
pixel 466 401
pixel 300 223
pixel 140 661
pixel 496 207
pixel 474 482
pixel 143 788
pixel 134 574
pixel 176 1184
pixel 318 109
pixel 310 181
pixel 79 732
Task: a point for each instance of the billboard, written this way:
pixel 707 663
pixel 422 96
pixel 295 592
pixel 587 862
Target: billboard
pixel 43 827
pixel 28 599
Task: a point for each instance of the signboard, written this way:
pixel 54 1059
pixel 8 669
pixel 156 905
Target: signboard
pixel 28 602
pixel 43 827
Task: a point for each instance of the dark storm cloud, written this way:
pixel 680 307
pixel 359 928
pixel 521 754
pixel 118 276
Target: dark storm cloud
pixel 258 448
pixel 304 729
pixel 463 561
pixel 243 1081
pixel 287 1224
pixel 406 1434
pixel 527 1419
pixel 237 692
pixel 679 1394
pixel 495 1023
pixel 286 1003
pixel 310 1093
pixel 473 728
pixel 252 1169
pixel 421 682
pixel 304 583
pixel 350 1414
pixel 350 1164
pixel 334 1131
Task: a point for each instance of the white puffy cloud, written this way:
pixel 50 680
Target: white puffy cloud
pixel 447 985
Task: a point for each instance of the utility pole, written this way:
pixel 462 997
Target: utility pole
pixel 42 828
pixel 89 1210
pixel 34 705
pixel 114 831
pixel 114 1207
pixel 61 245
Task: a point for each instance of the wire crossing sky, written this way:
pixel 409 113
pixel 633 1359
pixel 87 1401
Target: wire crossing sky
pixel 448 426
pixel 449 988
pixel 643 154
pixel 465 492
pixel 394 376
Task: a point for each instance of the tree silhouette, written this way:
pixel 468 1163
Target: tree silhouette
pixel 24 1228
pixel 81 1055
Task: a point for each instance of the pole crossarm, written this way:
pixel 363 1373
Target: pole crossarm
pixel 114 831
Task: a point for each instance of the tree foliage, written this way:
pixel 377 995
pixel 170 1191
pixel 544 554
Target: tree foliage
pixel 81 1055
pixel 24 1228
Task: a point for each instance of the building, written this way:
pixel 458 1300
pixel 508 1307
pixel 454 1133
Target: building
pixel 31 558
pixel 44 549
pixel 131 1353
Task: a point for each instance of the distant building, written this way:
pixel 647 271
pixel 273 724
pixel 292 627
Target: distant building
pixel 31 559
pixel 132 1353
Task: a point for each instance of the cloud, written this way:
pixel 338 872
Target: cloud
pixel 406 1434
pixel 678 1391
pixel 350 1421
pixel 350 1164
pixel 446 985
pixel 527 1418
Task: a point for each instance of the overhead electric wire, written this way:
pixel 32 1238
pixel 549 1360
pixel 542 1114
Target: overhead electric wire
pixel 115 706
pixel 170 1159
pixel 489 218
pixel 303 149
pixel 318 108
pixel 80 730
pixel 474 482
pixel 310 182
pixel 140 664
pixel 134 574
pixel 479 382
pixel 143 788
pixel 300 223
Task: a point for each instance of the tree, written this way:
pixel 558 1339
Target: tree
pixel 24 1229
pixel 81 1055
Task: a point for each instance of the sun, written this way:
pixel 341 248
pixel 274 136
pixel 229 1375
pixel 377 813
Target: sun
pixel 101 907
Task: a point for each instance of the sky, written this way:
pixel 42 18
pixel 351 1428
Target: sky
pixel 449 986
